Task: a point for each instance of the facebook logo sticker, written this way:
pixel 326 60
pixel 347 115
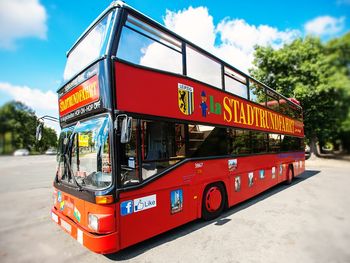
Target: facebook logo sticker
pixel 126 208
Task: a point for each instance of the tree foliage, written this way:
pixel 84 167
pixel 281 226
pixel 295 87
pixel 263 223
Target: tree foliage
pixel 19 122
pixel 316 74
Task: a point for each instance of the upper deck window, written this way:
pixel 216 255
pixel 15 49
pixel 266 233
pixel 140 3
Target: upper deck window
pixel 284 107
pixel 203 68
pixel 145 45
pixel 272 100
pixel 257 93
pixel 235 83
pixel 91 47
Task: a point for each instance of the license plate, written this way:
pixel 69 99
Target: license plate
pixel 66 226
pixel 54 217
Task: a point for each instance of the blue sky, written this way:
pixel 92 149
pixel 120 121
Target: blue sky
pixel 35 35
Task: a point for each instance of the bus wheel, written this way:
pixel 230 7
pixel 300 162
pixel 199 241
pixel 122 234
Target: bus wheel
pixel 290 175
pixel 213 201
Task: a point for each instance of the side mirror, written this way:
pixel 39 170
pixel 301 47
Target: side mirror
pixel 39 130
pixel 125 133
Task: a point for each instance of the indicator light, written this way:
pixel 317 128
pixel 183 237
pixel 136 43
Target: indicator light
pixel 104 199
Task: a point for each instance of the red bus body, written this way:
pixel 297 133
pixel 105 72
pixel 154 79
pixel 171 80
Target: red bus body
pixel 137 227
pixel 149 93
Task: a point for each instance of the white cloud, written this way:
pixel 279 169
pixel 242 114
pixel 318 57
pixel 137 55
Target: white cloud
pixel 325 25
pixel 43 103
pixel 21 19
pixel 232 40
pixel 238 39
pixel 36 99
pixel 240 34
pixel 194 24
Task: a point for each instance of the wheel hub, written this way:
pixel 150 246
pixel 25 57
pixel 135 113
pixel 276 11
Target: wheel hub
pixel 213 199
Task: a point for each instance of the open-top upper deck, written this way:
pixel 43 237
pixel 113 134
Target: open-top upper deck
pixel 163 54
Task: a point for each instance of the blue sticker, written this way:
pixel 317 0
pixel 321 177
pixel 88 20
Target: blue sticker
pixel 59 197
pixel 126 208
pixel 262 174
pixel 176 198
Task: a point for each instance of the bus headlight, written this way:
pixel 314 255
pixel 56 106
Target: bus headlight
pixel 93 222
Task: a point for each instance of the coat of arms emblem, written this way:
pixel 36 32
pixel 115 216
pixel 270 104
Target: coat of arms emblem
pixel 185 99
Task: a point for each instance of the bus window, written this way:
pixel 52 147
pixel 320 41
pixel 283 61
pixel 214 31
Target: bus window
pixel 259 141
pixel 274 142
pixel 91 47
pixel 239 142
pixel 145 45
pixel 284 108
pixel 272 100
pixel 207 141
pixel 257 93
pixel 300 114
pixel 163 145
pixel 235 83
pixel 128 159
pixel 294 111
pixel 290 143
pixel 203 68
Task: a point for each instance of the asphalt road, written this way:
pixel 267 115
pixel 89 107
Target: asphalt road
pixel 308 221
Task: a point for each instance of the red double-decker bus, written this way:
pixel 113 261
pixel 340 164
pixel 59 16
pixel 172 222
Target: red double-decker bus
pixel 157 132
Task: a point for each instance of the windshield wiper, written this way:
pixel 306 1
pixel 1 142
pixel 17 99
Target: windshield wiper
pixel 66 161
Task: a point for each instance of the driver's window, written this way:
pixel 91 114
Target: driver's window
pixel 128 159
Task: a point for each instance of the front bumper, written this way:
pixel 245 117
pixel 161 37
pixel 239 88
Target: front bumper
pixel 103 244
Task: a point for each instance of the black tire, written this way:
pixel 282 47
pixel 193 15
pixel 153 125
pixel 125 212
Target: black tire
pixel 207 213
pixel 290 175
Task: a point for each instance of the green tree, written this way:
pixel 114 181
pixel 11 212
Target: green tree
pixel 339 55
pixel 317 75
pixel 49 139
pixel 20 122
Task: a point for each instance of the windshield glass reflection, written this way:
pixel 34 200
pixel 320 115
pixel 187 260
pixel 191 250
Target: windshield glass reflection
pixel 84 154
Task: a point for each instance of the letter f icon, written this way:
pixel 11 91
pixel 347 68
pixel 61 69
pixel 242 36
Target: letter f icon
pixel 128 208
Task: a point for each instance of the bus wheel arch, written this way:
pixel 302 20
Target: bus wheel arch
pixel 214 200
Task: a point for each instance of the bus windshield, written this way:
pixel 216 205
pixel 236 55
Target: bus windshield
pixel 91 47
pixel 84 154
